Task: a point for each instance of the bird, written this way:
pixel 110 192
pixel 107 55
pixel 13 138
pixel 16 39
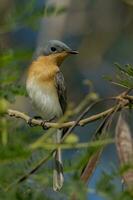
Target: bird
pixel 46 88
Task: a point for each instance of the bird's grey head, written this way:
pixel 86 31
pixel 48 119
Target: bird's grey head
pixel 54 47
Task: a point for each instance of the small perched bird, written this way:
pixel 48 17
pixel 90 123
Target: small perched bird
pixel 46 88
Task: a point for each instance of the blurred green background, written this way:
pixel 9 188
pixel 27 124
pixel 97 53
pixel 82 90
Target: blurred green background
pixel 102 31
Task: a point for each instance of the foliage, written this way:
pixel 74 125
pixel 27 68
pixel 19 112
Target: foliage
pixel 123 76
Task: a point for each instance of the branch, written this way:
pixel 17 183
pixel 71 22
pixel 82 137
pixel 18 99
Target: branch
pixel 38 122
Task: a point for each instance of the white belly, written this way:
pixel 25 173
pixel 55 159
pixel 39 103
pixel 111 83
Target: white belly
pixel 45 100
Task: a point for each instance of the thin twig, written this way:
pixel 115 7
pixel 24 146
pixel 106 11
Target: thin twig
pixel 36 122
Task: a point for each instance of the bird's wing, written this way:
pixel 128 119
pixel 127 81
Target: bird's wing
pixel 61 90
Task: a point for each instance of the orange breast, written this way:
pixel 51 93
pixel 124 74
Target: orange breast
pixel 43 69
pixel 41 88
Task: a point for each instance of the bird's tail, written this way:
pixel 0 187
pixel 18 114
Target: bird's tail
pixel 58 178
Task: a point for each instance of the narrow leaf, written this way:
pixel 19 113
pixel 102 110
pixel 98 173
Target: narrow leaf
pixel 91 166
pixel 124 145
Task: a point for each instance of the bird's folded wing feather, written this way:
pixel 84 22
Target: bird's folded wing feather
pixel 61 90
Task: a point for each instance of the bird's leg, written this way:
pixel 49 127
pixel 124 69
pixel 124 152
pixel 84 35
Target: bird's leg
pixel 31 118
pixel 45 121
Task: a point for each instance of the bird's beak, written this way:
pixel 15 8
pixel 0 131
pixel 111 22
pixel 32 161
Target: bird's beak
pixel 73 52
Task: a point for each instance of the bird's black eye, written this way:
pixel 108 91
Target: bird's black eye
pixel 53 49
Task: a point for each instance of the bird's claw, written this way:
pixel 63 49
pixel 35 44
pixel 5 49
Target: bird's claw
pixel 30 122
pixel 43 124
pixel 45 127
